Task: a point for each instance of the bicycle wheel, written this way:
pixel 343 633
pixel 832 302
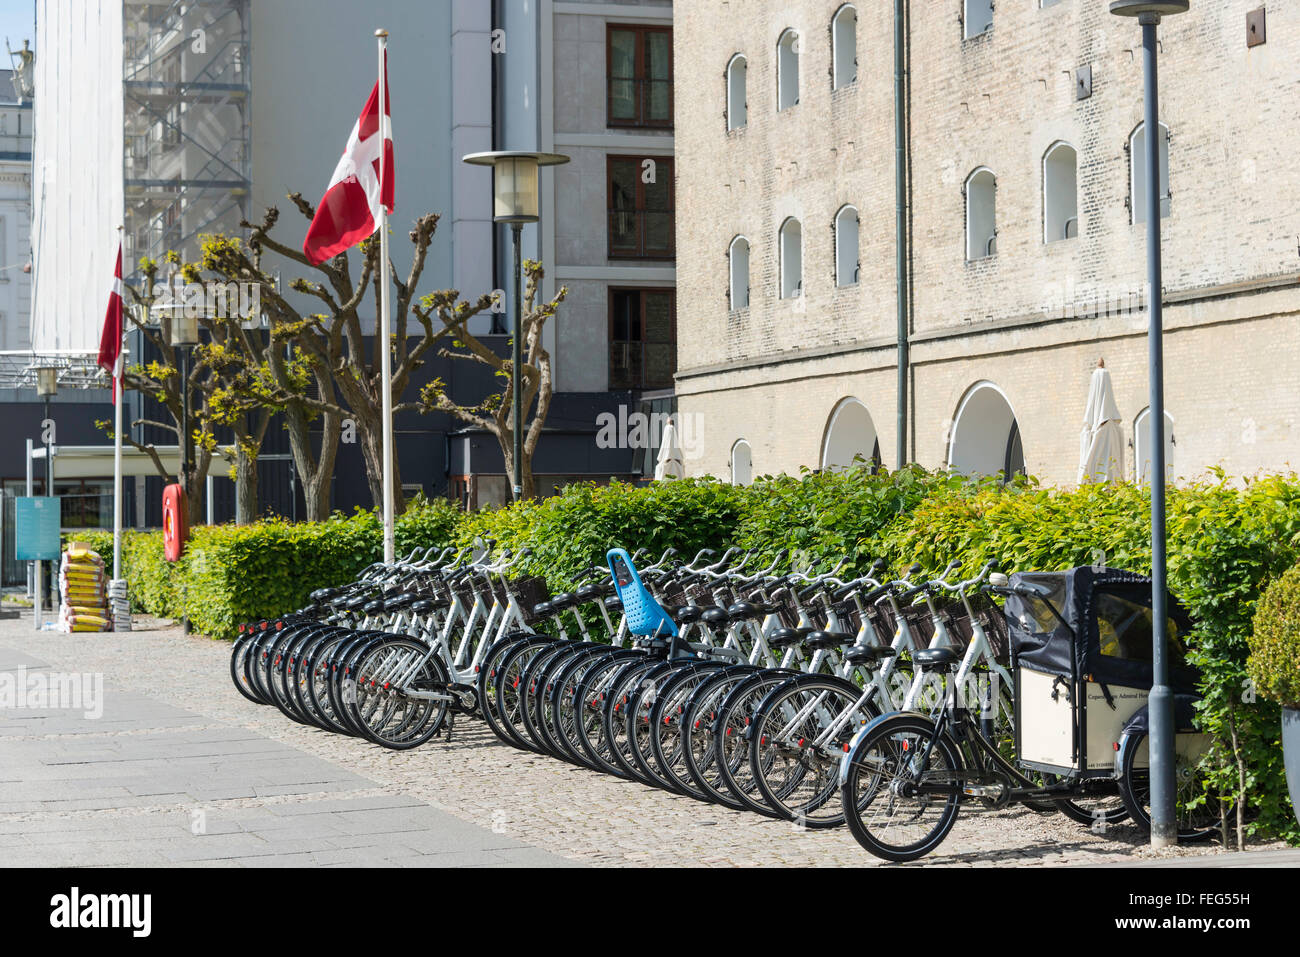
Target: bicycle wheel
pixel 699 748
pixel 239 659
pixel 1197 816
pixel 621 713
pixel 565 707
pixel 319 666
pixel 486 682
pixel 509 693
pixel 383 709
pixel 796 742
pixel 731 744
pixel 668 737
pixel 590 730
pixel 643 724
pixel 885 811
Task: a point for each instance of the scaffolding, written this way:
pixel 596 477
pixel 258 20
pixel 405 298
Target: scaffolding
pixel 188 125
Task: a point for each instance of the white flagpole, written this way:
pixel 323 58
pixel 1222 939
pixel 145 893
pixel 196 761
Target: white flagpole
pixel 383 344
pixel 117 441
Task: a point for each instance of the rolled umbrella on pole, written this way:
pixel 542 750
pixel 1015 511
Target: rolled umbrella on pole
pixel 670 463
pixel 1101 442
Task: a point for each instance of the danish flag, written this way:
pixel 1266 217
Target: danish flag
pixel 350 210
pixel 110 340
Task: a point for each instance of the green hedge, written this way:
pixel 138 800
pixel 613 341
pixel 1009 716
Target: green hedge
pixel 1227 541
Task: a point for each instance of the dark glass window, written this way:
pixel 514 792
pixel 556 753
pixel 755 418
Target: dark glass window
pixel 641 217
pixel 642 338
pixel 640 79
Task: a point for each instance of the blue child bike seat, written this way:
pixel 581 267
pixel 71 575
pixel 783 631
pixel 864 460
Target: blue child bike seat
pixel 645 616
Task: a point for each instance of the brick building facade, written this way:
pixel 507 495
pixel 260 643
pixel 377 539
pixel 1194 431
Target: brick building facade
pixel 1026 264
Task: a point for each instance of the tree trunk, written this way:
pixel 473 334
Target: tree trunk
pixel 245 486
pixel 315 472
pixel 372 450
pixel 507 443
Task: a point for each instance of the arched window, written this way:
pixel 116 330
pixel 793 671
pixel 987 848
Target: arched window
pixel 742 463
pixel 978 17
pixel 985 435
pixel 1142 447
pixel 787 70
pixel 846 246
pixel 844 47
pixel 791 245
pixel 981 218
pixel 738 255
pixel 1060 193
pixel 1137 153
pixel 737 107
pixel 851 437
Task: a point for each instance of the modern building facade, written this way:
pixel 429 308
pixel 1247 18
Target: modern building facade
pixel 180 119
pixel 1024 207
pixel 15 215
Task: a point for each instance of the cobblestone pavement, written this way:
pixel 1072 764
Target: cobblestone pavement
pixel 475 800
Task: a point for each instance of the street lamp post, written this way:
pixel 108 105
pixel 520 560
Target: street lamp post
pixel 514 196
pixel 1164 826
pixel 47 386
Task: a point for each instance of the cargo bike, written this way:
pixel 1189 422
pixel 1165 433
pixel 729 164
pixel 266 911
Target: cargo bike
pixel 1081 643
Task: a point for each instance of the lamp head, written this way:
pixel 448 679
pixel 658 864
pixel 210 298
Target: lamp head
pixel 1148 11
pixel 47 381
pixel 514 182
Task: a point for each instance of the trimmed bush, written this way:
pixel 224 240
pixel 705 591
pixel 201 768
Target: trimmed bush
pixel 1274 662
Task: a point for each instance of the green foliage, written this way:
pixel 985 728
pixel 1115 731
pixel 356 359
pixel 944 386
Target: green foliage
pixel 572 531
pixel 822 517
pixel 1274 662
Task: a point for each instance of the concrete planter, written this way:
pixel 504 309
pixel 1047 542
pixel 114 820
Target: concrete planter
pixel 1291 754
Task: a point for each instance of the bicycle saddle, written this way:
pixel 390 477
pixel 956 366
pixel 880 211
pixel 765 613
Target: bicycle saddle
pixel 785 637
pixel 685 613
pixel 398 602
pixel 564 600
pixel 356 602
pixel 423 606
pixel 716 616
pixel 828 639
pixel 589 592
pixel 868 654
pixel 323 594
pixel 934 658
pixel 745 609
pixel 542 609
pixel 614 603
pixel 371 607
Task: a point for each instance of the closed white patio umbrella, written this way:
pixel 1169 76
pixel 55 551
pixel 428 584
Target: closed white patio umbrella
pixel 1101 443
pixel 669 464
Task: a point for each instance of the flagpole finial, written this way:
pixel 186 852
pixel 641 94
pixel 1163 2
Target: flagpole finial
pixel 381 32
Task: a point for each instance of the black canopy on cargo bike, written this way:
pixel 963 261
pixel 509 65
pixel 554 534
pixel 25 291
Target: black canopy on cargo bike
pixel 1107 628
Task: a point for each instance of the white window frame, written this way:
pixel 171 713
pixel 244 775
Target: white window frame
pixel 840 55
pixel 987 247
pixel 789 290
pixel 854 266
pixel 788 40
pixel 738 302
pixel 741 63
pixel 1049 235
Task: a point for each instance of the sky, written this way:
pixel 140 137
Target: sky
pixel 17 23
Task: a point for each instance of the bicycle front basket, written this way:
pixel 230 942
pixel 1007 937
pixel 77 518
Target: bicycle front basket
pixel 530 591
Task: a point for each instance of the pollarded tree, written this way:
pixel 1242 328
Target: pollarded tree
pixel 328 349
pixel 494 412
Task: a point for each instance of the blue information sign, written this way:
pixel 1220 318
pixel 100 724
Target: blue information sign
pixel 36 529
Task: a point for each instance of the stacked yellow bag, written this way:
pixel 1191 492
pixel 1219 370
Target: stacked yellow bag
pixel 81 585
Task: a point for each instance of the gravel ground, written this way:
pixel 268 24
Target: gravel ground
pixel 571 812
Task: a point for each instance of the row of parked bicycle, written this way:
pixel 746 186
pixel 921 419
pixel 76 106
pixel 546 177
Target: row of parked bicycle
pixel 743 687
